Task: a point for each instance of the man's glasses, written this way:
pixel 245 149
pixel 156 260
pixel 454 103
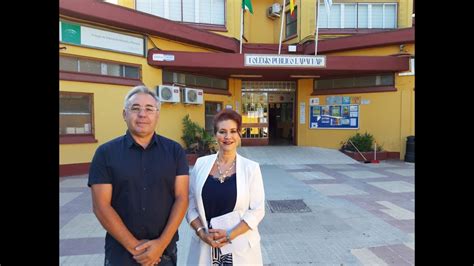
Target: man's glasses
pixel 149 110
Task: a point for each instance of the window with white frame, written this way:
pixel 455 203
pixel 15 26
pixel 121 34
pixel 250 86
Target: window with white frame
pixel 194 11
pixel 358 16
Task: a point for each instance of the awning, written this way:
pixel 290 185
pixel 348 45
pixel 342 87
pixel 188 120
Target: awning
pixel 226 65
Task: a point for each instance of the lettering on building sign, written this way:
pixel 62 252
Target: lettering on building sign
pixel 256 60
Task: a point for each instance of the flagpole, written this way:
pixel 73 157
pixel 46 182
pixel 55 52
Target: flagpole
pixel 241 27
pixel 317 28
pixel 281 28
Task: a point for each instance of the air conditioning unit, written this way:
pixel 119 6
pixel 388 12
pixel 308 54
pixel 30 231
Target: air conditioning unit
pixel 193 96
pixel 168 93
pixel 274 11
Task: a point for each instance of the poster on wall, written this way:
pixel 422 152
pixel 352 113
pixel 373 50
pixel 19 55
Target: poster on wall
pixel 313 101
pixel 302 112
pixel 344 116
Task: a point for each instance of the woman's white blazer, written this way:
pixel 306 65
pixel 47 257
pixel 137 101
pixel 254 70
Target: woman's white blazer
pixel 250 204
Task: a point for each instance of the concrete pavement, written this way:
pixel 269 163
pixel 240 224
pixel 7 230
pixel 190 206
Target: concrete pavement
pixel 323 208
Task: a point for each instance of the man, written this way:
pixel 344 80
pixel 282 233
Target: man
pixel 139 186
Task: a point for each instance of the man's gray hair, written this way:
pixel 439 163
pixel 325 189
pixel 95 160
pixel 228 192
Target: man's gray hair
pixel 141 89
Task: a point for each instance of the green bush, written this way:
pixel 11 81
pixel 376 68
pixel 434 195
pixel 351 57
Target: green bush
pixel 364 143
pixel 197 139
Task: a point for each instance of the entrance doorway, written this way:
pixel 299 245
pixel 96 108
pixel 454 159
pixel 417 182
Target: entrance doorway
pixel 280 116
pixel 268 113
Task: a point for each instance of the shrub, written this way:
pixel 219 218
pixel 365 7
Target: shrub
pixel 364 143
pixel 197 139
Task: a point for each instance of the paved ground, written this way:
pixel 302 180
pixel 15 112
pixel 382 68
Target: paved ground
pixel 323 208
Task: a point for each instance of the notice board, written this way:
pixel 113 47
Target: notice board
pixel 342 116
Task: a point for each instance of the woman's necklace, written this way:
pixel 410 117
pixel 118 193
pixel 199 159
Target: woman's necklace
pixel 222 176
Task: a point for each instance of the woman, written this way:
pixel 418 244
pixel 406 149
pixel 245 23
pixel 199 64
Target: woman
pixel 221 184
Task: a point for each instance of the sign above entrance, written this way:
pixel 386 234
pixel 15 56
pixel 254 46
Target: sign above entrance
pixel 267 60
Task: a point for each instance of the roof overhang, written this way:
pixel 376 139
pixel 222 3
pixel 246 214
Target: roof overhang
pixel 385 38
pixel 225 65
pixel 101 12
pixel 355 42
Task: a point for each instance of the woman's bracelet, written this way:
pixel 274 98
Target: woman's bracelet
pixel 199 229
pixel 227 236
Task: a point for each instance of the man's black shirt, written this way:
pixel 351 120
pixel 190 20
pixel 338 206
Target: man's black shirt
pixel 143 186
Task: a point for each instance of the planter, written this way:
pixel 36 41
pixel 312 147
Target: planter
pixel 381 155
pixel 191 157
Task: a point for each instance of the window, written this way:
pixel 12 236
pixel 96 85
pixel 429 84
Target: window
pixel 174 10
pixel 69 64
pixel 75 114
pixel 96 67
pixel 363 16
pixel 194 11
pixel 358 15
pixel 349 17
pixel 290 21
pixel 254 115
pixel 131 72
pixel 212 108
pixel 113 69
pixel 89 66
pixel 390 16
pixel 355 82
pixel 189 7
pixel 335 17
pixel 194 80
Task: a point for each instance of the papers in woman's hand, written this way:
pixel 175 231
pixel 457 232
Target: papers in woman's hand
pixel 227 222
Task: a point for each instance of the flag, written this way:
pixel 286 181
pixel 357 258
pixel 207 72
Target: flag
pixel 247 4
pixel 327 4
pixel 283 3
pixel 292 6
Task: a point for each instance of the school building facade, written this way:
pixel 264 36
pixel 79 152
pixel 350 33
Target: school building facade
pixel 361 80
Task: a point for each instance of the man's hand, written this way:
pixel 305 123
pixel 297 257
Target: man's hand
pixel 153 250
pixel 133 250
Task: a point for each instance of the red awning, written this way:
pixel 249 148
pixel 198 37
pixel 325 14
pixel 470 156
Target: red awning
pixel 224 65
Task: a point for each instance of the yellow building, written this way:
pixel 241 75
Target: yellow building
pixel 361 78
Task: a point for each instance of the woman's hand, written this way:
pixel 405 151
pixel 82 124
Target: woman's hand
pixel 219 236
pixel 215 238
